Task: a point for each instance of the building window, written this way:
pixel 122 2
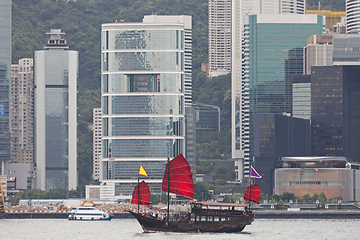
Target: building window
pixel 144 83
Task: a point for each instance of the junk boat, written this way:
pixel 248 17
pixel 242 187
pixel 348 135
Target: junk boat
pixel 88 214
pixel 203 216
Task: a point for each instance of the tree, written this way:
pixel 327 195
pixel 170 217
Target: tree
pixel 322 196
pixel 231 199
pixel 202 191
pixel 158 198
pixel 286 196
pixel 274 198
pixel 280 204
pixel 306 198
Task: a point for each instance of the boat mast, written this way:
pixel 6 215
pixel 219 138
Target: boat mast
pixel 168 192
pixel 138 194
pixel 249 191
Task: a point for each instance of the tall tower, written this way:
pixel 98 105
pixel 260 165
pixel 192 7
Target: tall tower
pixel 352 16
pixel 96 143
pixel 240 94
pixel 268 76
pixel 56 70
pixel 22 111
pixel 219 37
pixel 5 68
pixel 144 94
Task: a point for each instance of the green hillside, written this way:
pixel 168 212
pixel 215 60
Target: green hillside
pixel 333 5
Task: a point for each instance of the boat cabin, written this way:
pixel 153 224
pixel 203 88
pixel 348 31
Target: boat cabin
pixel 216 212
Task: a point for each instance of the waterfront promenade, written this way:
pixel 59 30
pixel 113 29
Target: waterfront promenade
pixel 273 214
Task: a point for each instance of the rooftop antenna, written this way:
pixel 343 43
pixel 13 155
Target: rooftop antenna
pixel 319 7
pixel 248 11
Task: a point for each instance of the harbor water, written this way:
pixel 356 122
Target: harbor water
pixel 130 229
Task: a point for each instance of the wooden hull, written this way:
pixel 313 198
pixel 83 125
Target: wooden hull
pixel 237 224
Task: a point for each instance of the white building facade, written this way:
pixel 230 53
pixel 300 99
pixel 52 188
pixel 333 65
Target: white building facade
pixel 56 71
pixel 145 88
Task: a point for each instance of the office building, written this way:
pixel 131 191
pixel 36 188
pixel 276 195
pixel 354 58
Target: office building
pixel 190 142
pixel 22 176
pixel 207 119
pixel 335 115
pixel 56 70
pixel 318 52
pixel 144 93
pixel 22 111
pixel 271 46
pixel 301 96
pixel 346 49
pixel 334 176
pixel 240 95
pixel 275 136
pixel 219 37
pixel 352 16
pixel 5 69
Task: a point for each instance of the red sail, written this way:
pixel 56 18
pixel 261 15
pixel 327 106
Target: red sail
pixel 255 194
pixel 181 182
pixel 144 192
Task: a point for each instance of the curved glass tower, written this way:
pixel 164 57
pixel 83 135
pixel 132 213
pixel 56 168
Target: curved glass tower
pixel 143 101
pixel 352 16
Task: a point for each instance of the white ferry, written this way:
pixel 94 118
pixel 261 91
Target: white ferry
pixel 88 214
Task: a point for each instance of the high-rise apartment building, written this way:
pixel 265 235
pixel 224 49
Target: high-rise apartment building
pixel 56 71
pixel 240 98
pixel 271 40
pixel 22 111
pixel 145 88
pixel 5 69
pixel 97 121
pixel 219 37
pixel 352 16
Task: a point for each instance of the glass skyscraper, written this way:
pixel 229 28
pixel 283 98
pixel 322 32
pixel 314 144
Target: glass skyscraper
pixel 270 43
pixel 5 70
pixel 239 89
pixel 55 135
pixel 143 86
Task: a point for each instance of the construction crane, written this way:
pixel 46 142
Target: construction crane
pixel 2 199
